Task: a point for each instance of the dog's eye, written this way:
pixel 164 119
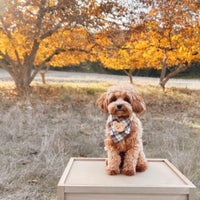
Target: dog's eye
pixel 127 99
pixel 113 99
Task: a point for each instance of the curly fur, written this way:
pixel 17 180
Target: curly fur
pixel 126 156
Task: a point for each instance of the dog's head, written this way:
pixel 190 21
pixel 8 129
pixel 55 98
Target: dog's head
pixel 121 101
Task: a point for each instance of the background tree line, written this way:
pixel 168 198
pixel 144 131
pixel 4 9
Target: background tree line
pixel 98 67
pixel 122 35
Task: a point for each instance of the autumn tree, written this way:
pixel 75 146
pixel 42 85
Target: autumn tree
pixel 173 36
pixel 38 32
pixel 169 37
pixel 123 50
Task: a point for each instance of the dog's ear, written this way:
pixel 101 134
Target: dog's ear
pixel 102 102
pixel 138 104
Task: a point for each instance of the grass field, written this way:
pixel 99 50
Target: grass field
pixel 41 130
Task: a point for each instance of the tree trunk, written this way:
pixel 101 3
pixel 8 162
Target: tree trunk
pixel 163 73
pixel 23 80
pixel 43 74
pixel 24 74
pixel 129 73
pixel 181 68
pixel 43 77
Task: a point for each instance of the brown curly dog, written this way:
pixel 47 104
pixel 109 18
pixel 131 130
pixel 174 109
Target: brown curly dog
pixel 123 141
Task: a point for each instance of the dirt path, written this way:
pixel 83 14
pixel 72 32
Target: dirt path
pixel 53 76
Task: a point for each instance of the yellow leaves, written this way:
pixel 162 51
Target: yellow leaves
pixel 52 3
pixel 152 12
pixel 144 47
pixel 75 44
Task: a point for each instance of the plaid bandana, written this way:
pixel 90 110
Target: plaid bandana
pixel 119 128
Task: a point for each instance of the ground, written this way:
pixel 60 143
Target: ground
pixel 42 129
pixel 62 76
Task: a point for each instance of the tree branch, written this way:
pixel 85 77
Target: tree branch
pixel 181 68
pixel 5 28
pixel 37 69
pixel 82 50
pixel 8 69
pixel 40 15
pixel 18 59
pixel 56 52
pixel 10 61
pixel 129 73
pixel 126 72
pixel 8 33
pixel 50 32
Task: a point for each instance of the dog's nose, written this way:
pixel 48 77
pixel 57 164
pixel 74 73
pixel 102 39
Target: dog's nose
pixel 119 106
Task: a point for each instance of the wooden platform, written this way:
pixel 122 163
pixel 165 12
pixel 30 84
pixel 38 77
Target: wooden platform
pixel 86 179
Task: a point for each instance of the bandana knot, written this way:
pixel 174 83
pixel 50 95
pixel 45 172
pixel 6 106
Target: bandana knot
pixel 119 128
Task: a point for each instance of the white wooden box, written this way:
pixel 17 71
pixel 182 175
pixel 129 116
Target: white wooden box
pixel 86 179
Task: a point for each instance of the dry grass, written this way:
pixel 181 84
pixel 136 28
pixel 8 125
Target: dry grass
pixel 43 129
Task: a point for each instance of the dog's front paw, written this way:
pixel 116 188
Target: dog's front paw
pixel 142 167
pixel 112 171
pixel 128 172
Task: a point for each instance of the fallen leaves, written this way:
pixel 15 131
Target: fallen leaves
pixel 33 152
pixel 85 132
pixel 32 181
pixel 25 162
